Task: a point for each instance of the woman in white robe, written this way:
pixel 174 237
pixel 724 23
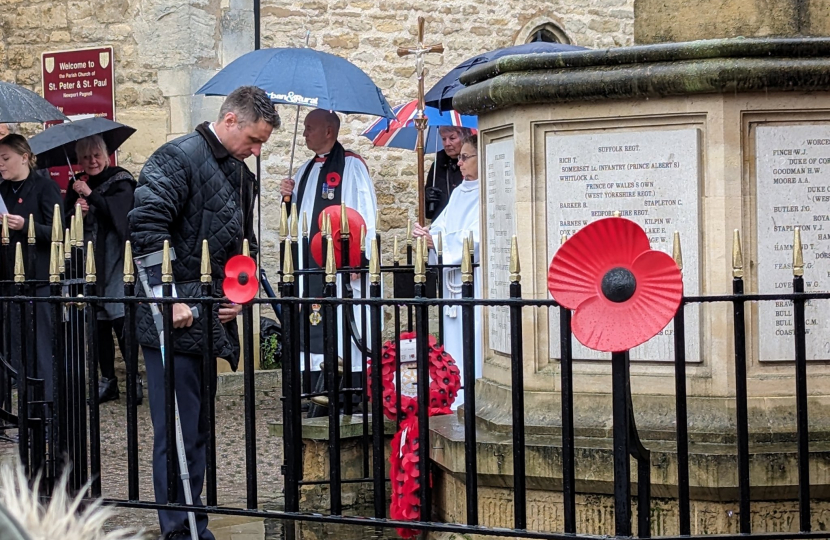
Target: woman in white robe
pixel 459 220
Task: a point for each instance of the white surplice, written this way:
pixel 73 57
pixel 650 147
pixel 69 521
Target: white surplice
pixel 358 192
pixel 456 221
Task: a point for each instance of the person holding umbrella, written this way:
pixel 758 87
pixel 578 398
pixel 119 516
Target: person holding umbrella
pixel 333 176
pixel 8 129
pixel 444 173
pixel 104 194
pixel 25 193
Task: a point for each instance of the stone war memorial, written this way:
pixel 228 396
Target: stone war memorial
pixel 706 127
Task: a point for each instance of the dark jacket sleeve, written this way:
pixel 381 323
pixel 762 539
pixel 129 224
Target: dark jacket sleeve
pixel 163 188
pixel 430 181
pixel 116 205
pixel 69 203
pixel 49 196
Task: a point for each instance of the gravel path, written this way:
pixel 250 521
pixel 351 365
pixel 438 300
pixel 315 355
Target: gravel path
pixel 230 454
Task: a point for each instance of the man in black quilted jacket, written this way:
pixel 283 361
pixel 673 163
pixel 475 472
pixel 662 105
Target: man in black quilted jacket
pixel 193 188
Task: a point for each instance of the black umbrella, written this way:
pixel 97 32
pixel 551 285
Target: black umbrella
pixel 55 146
pixel 440 95
pixel 18 104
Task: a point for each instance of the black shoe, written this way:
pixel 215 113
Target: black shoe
pixel 139 390
pixel 107 390
pixel 178 535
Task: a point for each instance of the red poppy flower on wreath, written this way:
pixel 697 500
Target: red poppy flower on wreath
pixel 622 291
pixel 333 179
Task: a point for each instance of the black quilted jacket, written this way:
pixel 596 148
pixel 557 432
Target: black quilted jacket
pixel 191 189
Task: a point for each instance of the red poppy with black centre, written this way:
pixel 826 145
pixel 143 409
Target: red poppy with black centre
pixel 622 292
pixel 333 179
pixel 240 284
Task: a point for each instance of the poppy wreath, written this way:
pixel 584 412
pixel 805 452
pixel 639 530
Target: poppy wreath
pixel 406 502
pixel 622 292
pixel 445 381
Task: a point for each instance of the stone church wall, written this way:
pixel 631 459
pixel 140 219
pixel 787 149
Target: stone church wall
pixel 165 50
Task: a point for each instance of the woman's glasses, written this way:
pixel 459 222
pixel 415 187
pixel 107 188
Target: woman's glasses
pixel 465 157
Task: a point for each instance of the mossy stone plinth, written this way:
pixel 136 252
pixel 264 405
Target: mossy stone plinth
pixel 648 72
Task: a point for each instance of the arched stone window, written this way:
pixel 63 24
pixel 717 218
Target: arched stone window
pixel 542 29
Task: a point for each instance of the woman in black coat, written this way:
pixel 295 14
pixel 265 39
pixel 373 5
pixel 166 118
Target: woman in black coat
pixel 27 192
pixel 105 195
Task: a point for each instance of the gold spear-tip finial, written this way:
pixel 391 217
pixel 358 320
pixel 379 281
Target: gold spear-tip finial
pixel 295 223
pixel 166 264
pixel 466 262
pixel 305 225
pixel 205 268
pixel 55 259
pixel 472 245
pixel 363 238
pixel 19 269
pixel 79 226
pixel 344 221
pixel 677 252
pixel 73 235
pixel 90 263
pixel 439 244
pixel 67 241
pixel 288 264
pixel 57 224
pixel 129 267
pixel 374 263
pixel 798 255
pixel 515 266
pixel 420 268
pixel 283 221
pixel 395 257
pixel 408 232
pixel 327 220
pixel 331 264
pixel 617 213
pixel 737 255
pixel 31 232
pixel 563 239
pixel 377 223
pixel 4 230
pixel 246 248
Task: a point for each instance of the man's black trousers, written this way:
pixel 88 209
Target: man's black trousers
pixel 189 395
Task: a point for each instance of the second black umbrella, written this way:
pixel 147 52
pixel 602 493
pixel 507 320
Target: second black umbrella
pixel 56 145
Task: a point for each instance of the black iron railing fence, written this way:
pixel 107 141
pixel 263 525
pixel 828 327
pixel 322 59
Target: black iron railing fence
pixel 65 427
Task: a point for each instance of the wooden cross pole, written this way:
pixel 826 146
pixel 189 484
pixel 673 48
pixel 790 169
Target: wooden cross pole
pixel 420 119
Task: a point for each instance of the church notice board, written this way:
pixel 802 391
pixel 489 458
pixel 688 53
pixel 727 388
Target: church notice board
pixel 792 164
pixel 501 226
pixel 651 177
pixel 81 83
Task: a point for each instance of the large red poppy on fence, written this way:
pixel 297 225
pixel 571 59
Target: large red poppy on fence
pixel 240 283
pixel 622 291
pixel 355 222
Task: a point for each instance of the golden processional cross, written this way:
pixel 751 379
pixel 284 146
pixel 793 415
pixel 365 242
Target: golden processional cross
pixel 420 119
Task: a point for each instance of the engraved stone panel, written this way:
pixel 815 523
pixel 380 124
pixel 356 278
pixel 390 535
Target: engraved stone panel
pixel 793 190
pixel 651 177
pixel 501 226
